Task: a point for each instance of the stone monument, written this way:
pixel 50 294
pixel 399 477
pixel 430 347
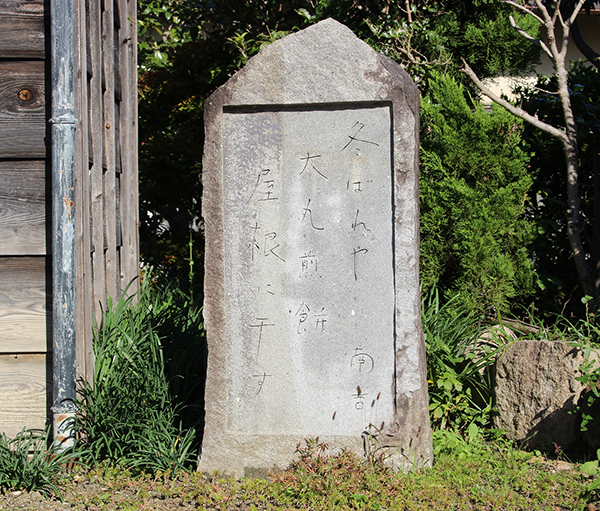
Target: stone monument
pixel 312 307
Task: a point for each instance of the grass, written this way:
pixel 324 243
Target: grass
pixel 138 430
pixel 488 476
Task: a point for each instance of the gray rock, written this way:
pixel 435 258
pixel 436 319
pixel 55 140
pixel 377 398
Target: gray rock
pixel 536 393
pixel 312 306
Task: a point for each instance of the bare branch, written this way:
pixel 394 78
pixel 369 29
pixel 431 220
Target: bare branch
pixel 549 92
pixel 575 12
pixel 567 135
pixel 565 30
pixel 549 26
pixel 535 41
pixel 544 11
pixel 515 324
pixel 566 25
pixel 519 112
pixel 557 15
pixel 525 10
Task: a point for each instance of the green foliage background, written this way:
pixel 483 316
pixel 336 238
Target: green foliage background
pixel 474 187
pixel 492 189
pixel 474 182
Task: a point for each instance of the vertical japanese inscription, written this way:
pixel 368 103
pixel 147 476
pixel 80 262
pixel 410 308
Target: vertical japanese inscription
pixel 309 278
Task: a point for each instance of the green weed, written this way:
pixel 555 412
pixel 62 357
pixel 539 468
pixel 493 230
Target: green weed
pixel 30 462
pixel 460 386
pixel 592 469
pixel 139 413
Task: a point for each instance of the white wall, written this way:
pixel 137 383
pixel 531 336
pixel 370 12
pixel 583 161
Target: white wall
pixel 590 27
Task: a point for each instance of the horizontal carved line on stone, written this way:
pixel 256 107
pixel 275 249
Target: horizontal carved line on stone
pixel 305 107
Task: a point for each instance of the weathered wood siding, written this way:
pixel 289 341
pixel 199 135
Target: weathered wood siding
pixel 23 29
pixel 107 186
pixel 25 378
pixel 105 195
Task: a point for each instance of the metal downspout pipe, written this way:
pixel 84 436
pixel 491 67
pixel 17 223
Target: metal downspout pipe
pixel 63 124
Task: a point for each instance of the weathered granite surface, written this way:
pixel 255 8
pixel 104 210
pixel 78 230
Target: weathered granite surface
pixel 312 306
pixel 536 393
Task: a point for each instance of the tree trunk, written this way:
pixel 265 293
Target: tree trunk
pixel 570 146
pixel 596 218
pixel 584 270
pixel 568 135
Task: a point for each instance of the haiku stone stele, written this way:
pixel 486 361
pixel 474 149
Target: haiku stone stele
pixel 312 307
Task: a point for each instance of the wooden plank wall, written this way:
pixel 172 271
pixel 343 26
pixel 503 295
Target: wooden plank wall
pixel 107 217
pixel 106 191
pixel 25 360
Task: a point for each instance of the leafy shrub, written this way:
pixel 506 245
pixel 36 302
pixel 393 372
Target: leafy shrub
pixel 592 469
pixel 474 183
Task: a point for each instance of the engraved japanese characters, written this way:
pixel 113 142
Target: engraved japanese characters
pixel 312 306
pixel 309 254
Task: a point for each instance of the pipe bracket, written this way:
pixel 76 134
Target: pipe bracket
pixel 64 119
